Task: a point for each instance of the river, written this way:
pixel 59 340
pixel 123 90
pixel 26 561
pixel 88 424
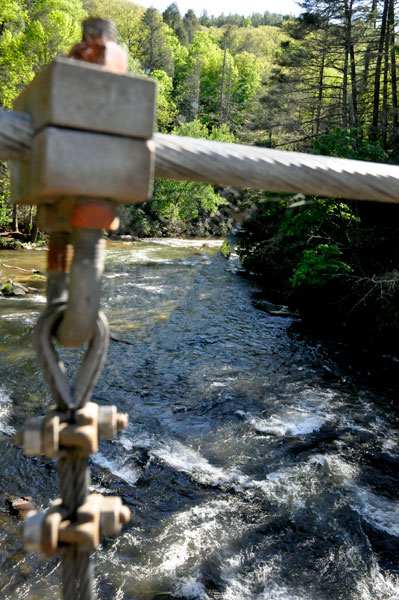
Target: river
pixel 255 466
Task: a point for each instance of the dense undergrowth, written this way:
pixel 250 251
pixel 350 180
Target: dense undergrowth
pixel 336 262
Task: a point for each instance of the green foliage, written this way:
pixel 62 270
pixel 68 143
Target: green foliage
pixel 29 40
pixel 197 129
pixel 179 202
pixel 319 266
pixel 347 144
pixel 256 19
pixel 166 108
pixel 172 17
pixel 5 209
pixel 182 201
pixel 153 49
pixel 308 220
pixel 6 289
pixel 225 249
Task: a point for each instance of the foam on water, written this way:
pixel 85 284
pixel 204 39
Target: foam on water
pixel 192 533
pixel 191 587
pixel 257 583
pixel 116 467
pixel 288 486
pixel 5 411
pixel 115 275
pixel 189 461
pixel 20 316
pixel 378 586
pixel 378 511
pixel 293 424
pixel 153 289
pixel 306 416
pixel 186 460
pixel 153 255
pixel 183 243
pixel 38 299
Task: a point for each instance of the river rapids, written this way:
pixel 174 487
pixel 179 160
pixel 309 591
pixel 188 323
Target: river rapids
pixel 255 467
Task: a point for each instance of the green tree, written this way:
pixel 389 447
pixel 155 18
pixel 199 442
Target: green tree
pixel 172 17
pixel 154 51
pixel 191 24
pixel 180 202
pixel 166 108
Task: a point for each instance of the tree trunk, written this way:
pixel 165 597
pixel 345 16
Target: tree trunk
pixel 395 121
pixel 345 93
pixel 222 87
pixel 369 52
pixel 15 217
pixel 320 93
pixel 228 101
pixel 34 232
pixel 197 87
pixel 377 77
pixel 350 52
pixel 354 86
pixel 384 119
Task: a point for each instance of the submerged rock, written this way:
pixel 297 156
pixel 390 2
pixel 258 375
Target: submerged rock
pixel 275 310
pixel 11 288
pixel 20 506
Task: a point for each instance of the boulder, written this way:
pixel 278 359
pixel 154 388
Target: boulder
pixel 20 506
pixel 13 289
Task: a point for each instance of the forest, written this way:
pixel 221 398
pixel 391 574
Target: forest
pixel 325 83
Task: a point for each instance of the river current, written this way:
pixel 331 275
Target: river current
pixel 255 467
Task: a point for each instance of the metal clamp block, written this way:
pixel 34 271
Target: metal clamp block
pixel 92 131
pixel 48 435
pixel 48 532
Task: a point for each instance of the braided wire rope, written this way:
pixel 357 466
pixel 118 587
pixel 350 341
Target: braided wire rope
pixel 188 159
pixel 84 572
pixel 77 569
pixel 77 572
pixel 69 587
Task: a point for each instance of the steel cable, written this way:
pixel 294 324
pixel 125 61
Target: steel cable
pixel 69 587
pixel 189 159
pixel 84 573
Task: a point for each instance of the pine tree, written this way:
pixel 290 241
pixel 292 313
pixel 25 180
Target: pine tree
pixel 191 24
pixel 172 17
pixel 154 50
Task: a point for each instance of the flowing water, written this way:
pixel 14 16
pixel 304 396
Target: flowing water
pixel 255 467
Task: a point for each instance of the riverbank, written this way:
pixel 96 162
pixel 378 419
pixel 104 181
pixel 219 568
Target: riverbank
pixel 16 240
pixel 334 263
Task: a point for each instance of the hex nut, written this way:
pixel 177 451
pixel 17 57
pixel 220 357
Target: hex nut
pixel 32 436
pixel 110 422
pixel 33 530
pixel 107 422
pixel 113 515
pixel 51 436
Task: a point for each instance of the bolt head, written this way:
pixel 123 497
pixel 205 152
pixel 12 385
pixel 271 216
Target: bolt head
pixel 107 422
pixel 33 436
pixel 32 532
pixel 113 515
